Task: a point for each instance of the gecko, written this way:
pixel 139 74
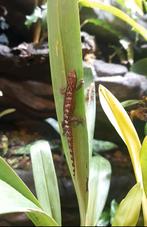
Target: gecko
pixel 69 105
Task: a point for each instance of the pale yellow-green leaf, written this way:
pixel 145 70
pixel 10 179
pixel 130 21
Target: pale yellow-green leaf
pixel 8 175
pixel 8 111
pixel 12 201
pixel 45 179
pixel 98 187
pixel 116 12
pixel 143 160
pixel 123 125
pixel 128 211
pixel 139 3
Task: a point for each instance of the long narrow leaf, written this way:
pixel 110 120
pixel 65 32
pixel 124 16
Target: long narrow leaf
pixel 14 202
pixel 143 160
pixel 90 107
pixel 98 187
pixel 8 175
pixel 8 111
pixel 116 12
pixel 128 211
pixel 45 179
pixel 66 55
pixel 123 125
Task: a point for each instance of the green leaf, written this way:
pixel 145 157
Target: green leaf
pixel 100 146
pixel 114 206
pixel 90 104
pixel 139 3
pixel 116 12
pixel 104 219
pixel 128 211
pixel 140 67
pixel 123 125
pixel 145 129
pixel 143 160
pixel 14 202
pixel 98 187
pixel 8 175
pixel 41 219
pixel 23 150
pixel 125 128
pixel 130 103
pixel 45 179
pixel 103 24
pixel 66 55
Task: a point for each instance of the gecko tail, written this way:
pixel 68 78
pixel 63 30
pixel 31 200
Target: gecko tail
pixel 73 163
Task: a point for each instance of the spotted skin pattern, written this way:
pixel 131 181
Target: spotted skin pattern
pixel 68 112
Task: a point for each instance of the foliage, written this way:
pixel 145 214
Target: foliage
pixel 108 215
pixel 39 13
pixel 121 9
pixel 123 125
pixel 102 146
pixel 140 67
pixel 92 173
pixel 65 55
pixel 16 197
pixel 128 11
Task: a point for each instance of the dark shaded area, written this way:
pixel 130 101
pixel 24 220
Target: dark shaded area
pixel 15 17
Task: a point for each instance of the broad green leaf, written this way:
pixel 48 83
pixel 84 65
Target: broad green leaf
pixel 14 202
pixel 143 160
pixel 66 55
pixel 8 111
pixel 45 179
pixel 128 211
pixel 8 175
pixel 98 187
pixel 123 125
pixel 39 218
pixel 116 12
pixel 140 67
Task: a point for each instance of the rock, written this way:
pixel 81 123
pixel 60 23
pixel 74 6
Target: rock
pixel 88 45
pixel 29 97
pixel 25 73
pixel 4 50
pixel 129 86
pixel 104 69
pixel 18 219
